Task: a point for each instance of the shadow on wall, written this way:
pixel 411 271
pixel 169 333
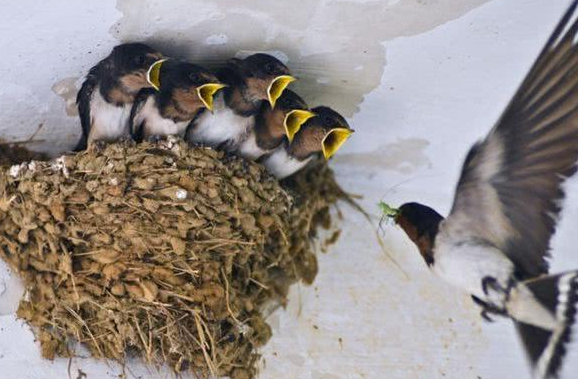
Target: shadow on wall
pixel 335 47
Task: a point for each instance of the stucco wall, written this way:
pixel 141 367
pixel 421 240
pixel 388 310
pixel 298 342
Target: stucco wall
pixel 420 81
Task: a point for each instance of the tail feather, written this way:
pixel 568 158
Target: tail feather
pixel 546 349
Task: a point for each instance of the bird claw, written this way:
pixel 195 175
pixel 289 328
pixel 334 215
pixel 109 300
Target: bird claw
pixel 125 140
pixel 489 282
pixel 155 138
pixel 486 316
pixel 488 309
pixel 98 145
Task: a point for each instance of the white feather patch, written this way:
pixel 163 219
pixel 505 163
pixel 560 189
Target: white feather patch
pixel 212 129
pixel 524 307
pixel 281 164
pixel 108 121
pixel 155 123
pixel 249 149
pixel 465 265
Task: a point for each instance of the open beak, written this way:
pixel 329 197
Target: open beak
pixel 207 91
pixel 388 211
pixel 294 120
pixel 277 87
pixel 154 74
pixel 334 140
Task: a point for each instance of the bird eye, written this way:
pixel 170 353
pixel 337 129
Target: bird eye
pixel 327 120
pixel 269 68
pixel 194 77
pixel 139 60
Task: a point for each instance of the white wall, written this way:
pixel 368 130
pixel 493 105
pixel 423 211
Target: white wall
pixel 421 80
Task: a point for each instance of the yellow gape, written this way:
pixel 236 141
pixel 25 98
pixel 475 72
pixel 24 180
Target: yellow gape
pixel 277 87
pixel 207 91
pixel 154 74
pixel 334 140
pixel 294 120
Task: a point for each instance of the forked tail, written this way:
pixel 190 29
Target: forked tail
pixel 547 348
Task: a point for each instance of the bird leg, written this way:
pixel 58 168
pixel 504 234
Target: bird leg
pixel 488 309
pixel 125 139
pixel 98 145
pixel 489 283
pixel 155 138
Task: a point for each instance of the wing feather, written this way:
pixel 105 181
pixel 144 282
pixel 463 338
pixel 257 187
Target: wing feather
pixel 135 124
pixel 83 99
pixel 510 188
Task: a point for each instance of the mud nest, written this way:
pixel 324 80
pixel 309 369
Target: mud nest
pixel 159 251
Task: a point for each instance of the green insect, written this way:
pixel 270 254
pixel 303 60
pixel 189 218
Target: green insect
pixel 388 210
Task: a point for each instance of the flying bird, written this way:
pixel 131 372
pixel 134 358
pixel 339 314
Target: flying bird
pixel 109 90
pixel 494 244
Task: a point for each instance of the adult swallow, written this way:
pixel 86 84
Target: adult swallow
pixel 494 244
pixel 274 126
pixel 180 91
pixel 321 135
pixel 109 90
pixel 250 82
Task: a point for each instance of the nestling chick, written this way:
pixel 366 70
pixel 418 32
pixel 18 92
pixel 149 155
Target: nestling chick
pixel 250 82
pixel 106 96
pixel 273 126
pixel 181 90
pixel 321 135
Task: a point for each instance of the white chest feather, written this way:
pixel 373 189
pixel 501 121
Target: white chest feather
pixel 108 121
pixel 223 125
pixel 465 265
pixel 155 124
pixel 281 165
pixel 249 149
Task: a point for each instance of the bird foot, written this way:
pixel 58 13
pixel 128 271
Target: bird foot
pixel 98 145
pixel 489 309
pixel 491 283
pixel 155 138
pixel 126 140
pixel 196 145
pixel 492 287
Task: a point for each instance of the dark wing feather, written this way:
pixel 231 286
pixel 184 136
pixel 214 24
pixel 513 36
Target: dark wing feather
pixel 137 131
pixel 83 99
pixel 510 190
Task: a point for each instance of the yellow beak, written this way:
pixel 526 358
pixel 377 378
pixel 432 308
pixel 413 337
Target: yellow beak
pixel 207 91
pixel 294 120
pixel 154 74
pixel 277 87
pixel 334 140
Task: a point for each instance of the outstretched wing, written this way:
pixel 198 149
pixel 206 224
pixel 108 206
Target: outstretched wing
pixel 510 190
pixel 83 99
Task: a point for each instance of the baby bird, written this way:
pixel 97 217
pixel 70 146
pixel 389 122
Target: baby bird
pixel 180 91
pixel 250 82
pixel 109 90
pixel 322 134
pixel 275 125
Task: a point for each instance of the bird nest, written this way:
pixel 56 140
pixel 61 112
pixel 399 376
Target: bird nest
pixel 159 251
